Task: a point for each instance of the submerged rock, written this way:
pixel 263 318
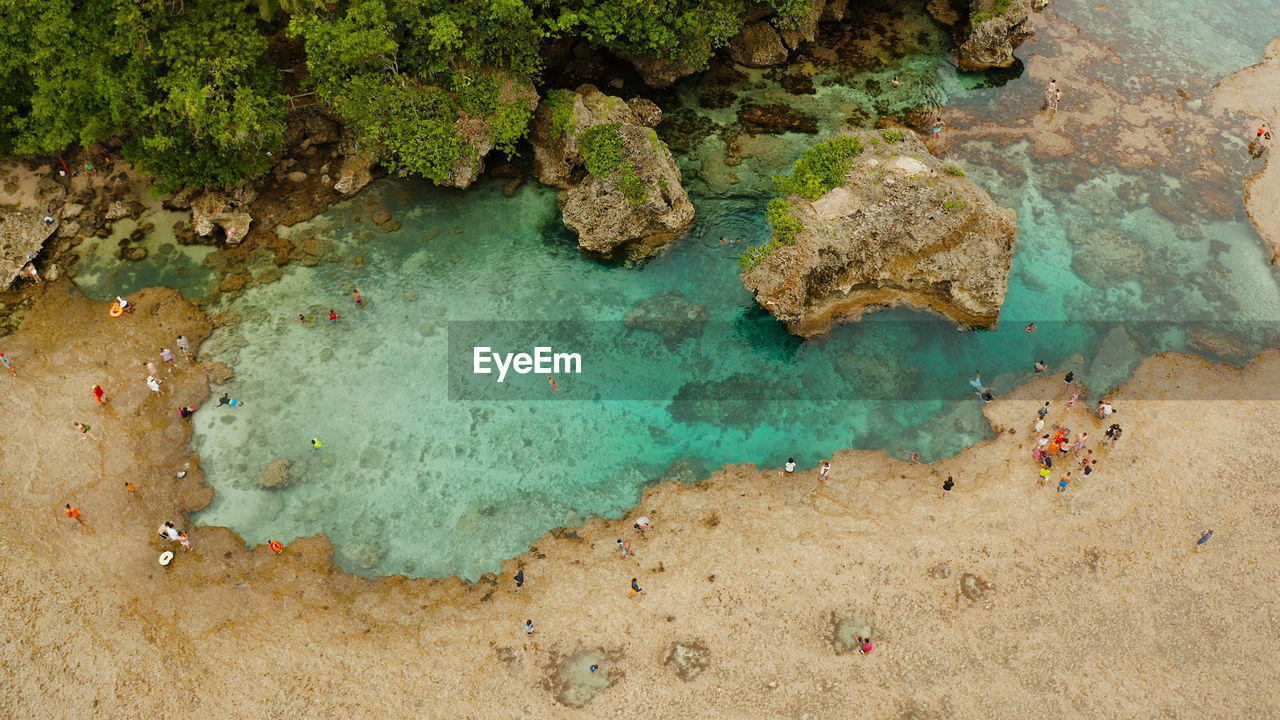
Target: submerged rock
pixel 670 316
pixel 622 189
pixel 278 473
pixel 986 32
pixel 901 230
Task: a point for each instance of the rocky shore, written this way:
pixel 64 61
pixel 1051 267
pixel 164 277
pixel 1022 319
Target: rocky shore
pixel 1002 583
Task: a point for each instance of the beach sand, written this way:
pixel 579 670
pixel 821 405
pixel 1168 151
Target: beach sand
pixel 1004 600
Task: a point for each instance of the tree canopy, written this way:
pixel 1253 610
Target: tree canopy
pixel 188 86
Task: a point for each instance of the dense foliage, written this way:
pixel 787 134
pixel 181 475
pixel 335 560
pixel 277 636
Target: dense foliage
pixel 193 88
pixel 184 83
pixel 821 168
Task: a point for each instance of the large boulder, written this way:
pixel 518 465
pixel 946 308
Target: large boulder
pixel 986 32
pixel 901 230
pixel 214 210
pixel 758 45
pixel 622 189
pixel 658 73
pixel 356 169
pixel 477 132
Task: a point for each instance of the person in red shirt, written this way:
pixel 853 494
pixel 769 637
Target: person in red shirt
pixel 333 316
pixel 99 394
pixel 74 513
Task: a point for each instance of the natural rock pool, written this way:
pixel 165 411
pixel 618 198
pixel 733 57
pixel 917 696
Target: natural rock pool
pixel 423 473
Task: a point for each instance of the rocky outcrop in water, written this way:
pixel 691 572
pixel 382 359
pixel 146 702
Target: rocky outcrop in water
pixel 986 32
pixel 901 230
pixel 622 189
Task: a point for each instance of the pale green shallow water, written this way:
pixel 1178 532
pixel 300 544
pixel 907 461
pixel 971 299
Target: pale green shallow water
pixel 413 481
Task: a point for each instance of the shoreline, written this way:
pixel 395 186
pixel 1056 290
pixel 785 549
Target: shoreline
pixel 877 547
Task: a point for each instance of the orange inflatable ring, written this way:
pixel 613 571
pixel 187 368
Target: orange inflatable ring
pixel 116 310
pixel 275 546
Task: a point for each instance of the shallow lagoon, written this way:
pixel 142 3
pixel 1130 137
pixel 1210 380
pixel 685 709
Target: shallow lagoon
pixel 424 472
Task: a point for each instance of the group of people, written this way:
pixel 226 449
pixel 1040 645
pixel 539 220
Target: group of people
pixel 1052 95
pixel 1060 444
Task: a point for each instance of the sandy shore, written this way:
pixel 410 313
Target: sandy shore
pixel 1088 603
pixel 1254 93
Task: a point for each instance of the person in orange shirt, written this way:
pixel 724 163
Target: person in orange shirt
pixel 1053 447
pixel 74 513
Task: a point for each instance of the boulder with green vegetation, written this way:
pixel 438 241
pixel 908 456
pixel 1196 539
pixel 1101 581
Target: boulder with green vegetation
pixel 986 32
pixel 622 189
pixel 871 219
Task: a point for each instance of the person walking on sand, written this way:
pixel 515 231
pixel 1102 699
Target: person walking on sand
pixel 1044 409
pixel 184 346
pixel 168 531
pixel 1069 378
pixel 528 627
pixel 1038 425
pixel 625 547
pixel 946 487
pixel 519 579
pixel 1064 482
pixel 642 524
pixel 824 469
pixel 84 431
pixel 1074 397
pixel 635 588
pixel 166 355
pixel 1044 475
pixel 99 394
pixel 1113 432
pixel 1204 538
pixel 152 370
pixel 154 383
pixel 8 364
pixel 1080 440
pixel 184 541
pixel 73 513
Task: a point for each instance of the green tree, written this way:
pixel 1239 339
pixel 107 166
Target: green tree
pixel 402 74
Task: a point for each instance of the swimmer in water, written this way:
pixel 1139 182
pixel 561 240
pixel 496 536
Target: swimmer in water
pixel 554 384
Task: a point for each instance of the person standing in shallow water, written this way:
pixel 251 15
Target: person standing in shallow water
pixel 333 316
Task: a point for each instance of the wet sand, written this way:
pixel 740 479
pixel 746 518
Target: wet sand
pixel 1088 603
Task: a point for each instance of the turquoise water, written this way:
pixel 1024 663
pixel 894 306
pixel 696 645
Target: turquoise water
pixel 427 471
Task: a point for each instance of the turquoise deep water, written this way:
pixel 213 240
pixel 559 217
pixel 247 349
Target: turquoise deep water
pixel 426 472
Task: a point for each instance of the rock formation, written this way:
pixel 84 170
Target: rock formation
pixel 23 229
pixel 477 132
pixel 214 209
pixel 758 45
pixel 622 189
pixel 986 32
pixel 901 230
